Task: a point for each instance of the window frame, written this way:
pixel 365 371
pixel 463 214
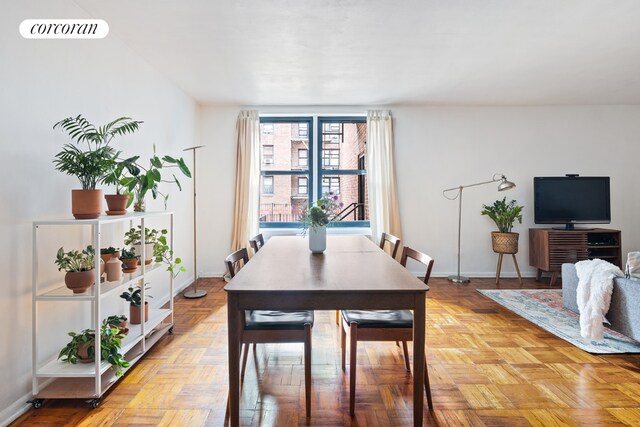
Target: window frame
pixel 273 185
pixel 306 150
pixel 300 178
pixel 314 171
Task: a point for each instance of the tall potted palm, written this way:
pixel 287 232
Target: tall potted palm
pixel 91 165
pixel 504 214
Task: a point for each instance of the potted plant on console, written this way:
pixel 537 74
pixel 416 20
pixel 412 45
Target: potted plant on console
pixel 134 297
pixel 79 266
pixel 504 214
pixel 91 165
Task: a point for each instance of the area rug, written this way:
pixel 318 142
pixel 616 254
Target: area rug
pixel 543 307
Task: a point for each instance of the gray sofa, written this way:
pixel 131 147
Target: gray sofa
pixel 624 312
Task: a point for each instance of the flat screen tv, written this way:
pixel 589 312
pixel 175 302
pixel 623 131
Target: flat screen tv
pixel 571 200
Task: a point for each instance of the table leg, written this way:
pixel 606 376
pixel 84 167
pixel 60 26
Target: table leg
pixel 233 324
pixel 418 358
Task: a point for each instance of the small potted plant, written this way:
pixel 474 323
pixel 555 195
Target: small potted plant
pixel 79 266
pixel 504 214
pixel 133 238
pixel 134 297
pixel 317 218
pixel 117 203
pixel 91 165
pixel 117 321
pixel 129 260
pixel 81 348
pixel 107 253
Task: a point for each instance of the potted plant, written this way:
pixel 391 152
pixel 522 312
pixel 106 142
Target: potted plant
pixel 141 180
pixel 107 253
pixel 90 165
pixel 117 321
pixel 163 253
pixel 504 215
pixel 117 203
pixel 317 218
pixel 133 238
pixel 134 297
pixel 79 266
pixel 129 260
pixel 81 348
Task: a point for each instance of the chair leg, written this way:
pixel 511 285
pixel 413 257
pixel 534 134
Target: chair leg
pixel 337 317
pixel 427 386
pixel 353 353
pixel 245 356
pixel 406 356
pixel 254 348
pixel 515 261
pixel 398 343
pixel 343 345
pixel 307 369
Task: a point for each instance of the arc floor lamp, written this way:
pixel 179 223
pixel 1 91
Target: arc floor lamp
pixel 504 185
pixel 195 293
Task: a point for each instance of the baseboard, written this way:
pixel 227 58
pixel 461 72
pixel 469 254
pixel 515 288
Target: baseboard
pixel 211 274
pixel 16 409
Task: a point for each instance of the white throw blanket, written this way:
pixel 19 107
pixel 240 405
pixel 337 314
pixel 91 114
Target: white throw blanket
pixel 595 285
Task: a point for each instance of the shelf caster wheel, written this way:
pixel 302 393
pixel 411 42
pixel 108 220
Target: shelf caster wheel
pixel 94 403
pixel 171 330
pixel 36 403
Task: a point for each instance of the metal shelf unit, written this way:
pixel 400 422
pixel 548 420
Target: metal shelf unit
pixel 60 380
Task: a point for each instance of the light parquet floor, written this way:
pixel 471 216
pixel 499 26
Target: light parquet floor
pixel 488 367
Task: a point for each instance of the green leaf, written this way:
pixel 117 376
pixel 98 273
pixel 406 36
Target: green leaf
pixel 155 162
pixel 169 159
pixel 183 167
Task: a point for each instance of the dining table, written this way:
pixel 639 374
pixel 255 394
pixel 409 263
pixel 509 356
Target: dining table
pixel 352 273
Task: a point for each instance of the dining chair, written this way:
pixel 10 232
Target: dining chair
pixel 395 245
pixel 382 325
pixel 256 243
pixel 274 326
pixel 393 241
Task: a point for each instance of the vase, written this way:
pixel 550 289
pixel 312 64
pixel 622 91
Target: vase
pixel 148 247
pixel 114 270
pixel 317 239
pixel 86 204
pixel 135 314
pixel 504 243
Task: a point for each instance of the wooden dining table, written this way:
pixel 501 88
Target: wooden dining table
pixel 352 273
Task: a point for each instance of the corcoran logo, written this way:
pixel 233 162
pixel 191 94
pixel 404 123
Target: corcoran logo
pixel 64 29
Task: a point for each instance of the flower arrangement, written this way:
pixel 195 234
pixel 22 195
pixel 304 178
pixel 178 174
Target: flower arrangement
pixel 322 212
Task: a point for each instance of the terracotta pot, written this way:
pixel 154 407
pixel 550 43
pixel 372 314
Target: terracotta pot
pixel 135 314
pixel 106 257
pixel 114 270
pixel 504 243
pixel 86 204
pixel 83 353
pixel 79 281
pixel 131 265
pixel 117 203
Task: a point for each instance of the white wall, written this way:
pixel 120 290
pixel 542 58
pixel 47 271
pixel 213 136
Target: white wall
pixel 442 147
pixel 42 82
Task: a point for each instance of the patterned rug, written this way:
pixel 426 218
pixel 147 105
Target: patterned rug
pixel 543 307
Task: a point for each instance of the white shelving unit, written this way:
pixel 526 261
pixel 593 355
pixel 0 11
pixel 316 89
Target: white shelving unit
pixel 60 380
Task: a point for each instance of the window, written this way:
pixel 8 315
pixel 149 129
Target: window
pixel 303 157
pixel 303 186
pixel 267 154
pixel 330 159
pixel 331 184
pixel 267 185
pixel 311 162
pixel 303 130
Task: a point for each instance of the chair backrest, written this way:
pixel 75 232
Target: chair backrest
pixel 256 242
pixel 407 252
pixel 393 241
pixel 235 258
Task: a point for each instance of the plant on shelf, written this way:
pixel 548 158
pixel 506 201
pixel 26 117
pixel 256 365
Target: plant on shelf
pixel 82 349
pixel 107 253
pixel 316 219
pixel 133 238
pixel 117 321
pixel 129 259
pixel 93 164
pixel 162 252
pixel 504 215
pixel 141 180
pixel 79 266
pixel 157 248
pixel 134 297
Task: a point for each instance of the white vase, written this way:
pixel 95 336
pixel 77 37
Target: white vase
pixel 148 250
pixel 317 239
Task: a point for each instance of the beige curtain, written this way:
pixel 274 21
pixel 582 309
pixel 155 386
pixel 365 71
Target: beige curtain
pixel 246 205
pixel 384 212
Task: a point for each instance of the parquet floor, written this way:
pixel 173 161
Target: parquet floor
pixel 488 367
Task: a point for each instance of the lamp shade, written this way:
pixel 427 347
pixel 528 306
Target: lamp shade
pixel 505 184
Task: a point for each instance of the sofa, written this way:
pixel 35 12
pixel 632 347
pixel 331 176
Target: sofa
pixel 624 311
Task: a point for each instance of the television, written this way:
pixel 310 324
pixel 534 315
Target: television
pixel 571 199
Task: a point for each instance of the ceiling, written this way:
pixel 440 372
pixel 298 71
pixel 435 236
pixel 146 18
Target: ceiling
pixel 368 52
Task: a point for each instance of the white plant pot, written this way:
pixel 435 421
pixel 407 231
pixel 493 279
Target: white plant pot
pixel 148 250
pixel 317 239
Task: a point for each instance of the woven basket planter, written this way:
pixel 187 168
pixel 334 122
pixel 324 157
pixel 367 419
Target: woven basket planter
pixel 504 243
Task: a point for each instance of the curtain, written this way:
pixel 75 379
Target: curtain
pixel 246 206
pixel 384 212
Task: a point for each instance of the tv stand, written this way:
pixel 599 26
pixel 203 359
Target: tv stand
pixel 550 248
pixel 571 227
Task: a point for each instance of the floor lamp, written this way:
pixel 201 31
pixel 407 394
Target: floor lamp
pixel 504 185
pixel 195 293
